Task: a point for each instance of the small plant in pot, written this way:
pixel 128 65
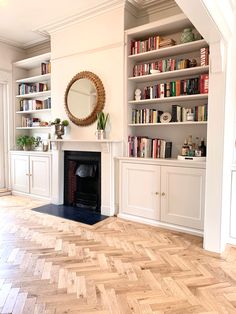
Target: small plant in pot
pixel 26 142
pixel 60 127
pixel 102 119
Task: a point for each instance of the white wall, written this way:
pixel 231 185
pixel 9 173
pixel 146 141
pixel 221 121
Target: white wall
pixel 94 45
pixel 9 54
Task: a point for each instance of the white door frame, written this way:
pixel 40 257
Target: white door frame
pixel 8 125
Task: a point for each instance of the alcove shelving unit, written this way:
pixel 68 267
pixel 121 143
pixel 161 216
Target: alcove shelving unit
pixel 164 192
pixel 165 29
pixel 33 96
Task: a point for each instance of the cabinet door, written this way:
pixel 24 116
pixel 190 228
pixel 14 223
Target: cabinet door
pixel 40 176
pixel 182 196
pixel 140 190
pixel 20 173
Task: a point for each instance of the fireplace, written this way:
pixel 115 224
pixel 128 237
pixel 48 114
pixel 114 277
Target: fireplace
pixel 82 180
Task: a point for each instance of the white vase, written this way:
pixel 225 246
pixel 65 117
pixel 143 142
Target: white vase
pixel 100 134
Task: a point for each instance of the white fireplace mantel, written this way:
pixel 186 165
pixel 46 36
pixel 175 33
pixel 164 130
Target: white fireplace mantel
pixel 110 149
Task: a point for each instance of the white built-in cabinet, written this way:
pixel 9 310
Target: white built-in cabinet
pixel 233 205
pixel 167 192
pixel 31 173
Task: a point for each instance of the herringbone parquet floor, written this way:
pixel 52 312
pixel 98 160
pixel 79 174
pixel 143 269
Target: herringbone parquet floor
pixel 50 265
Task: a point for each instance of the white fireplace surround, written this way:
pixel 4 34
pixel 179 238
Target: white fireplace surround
pixel 109 170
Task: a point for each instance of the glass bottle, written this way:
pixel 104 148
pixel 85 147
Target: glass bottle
pixel 185 148
pixel 202 148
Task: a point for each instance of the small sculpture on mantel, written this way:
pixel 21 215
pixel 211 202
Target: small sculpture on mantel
pixel 60 127
pixel 137 94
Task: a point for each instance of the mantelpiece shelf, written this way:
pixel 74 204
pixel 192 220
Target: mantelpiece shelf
pixel 170 123
pixel 33 111
pixel 33 95
pixel 35 79
pixel 169 51
pixel 169 99
pixel 171 74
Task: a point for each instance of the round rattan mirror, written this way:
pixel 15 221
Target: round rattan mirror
pixel 84 98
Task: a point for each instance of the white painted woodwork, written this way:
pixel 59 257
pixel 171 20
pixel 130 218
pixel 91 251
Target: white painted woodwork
pixel 233 206
pixel 40 176
pixel 182 200
pixel 20 173
pixel 140 190
pixel 180 193
pixel 31 173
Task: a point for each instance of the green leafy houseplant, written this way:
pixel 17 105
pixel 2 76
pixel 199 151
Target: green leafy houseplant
pixel 59 127
pixel 102 120
pixel 26 142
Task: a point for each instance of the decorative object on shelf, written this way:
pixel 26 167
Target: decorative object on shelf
pixel 192 63
pixel 190 149
pixel 154 71
pixel 165 117
pixel 102 119
pixel 137 94
pixel 26 142
pixel 60 127
pixel 84 88
pixel 187 36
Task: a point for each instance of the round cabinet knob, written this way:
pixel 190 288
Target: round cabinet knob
pixel 163 193
pixel 157 193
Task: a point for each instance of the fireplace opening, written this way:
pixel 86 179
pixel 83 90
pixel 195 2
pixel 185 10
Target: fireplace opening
pixel 82 180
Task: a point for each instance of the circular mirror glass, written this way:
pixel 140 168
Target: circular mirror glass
pixel 84 98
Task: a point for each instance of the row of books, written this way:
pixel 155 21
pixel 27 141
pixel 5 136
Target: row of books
pixel 139 46
pixel 32 122
pixel 45 68
pixel 177 88
pixel 146 115
pixel 182 114
pixel 27 88
pixel 145 147
pixel 164 65
pixel 35 104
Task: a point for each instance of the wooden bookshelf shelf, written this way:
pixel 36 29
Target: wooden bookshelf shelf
pixel 34 95
pixel 169 99
pixel 168 124
pixel 169 51
pixel 35 79
pixel 33 128
pixel 194 71
pixel 33 111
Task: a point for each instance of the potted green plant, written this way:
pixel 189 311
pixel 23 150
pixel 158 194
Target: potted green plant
pixel 60 127
pixel 26 142
pixel 102 119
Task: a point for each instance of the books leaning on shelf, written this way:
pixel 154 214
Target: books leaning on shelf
pixel 144 147
pixel 146 115
pixel 174 88
pixel 164 65
pixel 139 46
pixel 180 114
pixel 35 104
pixel 32 122
pixel 45 68
pixel 27 88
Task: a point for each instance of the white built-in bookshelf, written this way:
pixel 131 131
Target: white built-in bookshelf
pixel 33 95
pixel 174 132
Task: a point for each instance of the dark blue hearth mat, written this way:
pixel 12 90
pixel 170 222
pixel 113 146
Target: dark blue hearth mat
pixel 85 216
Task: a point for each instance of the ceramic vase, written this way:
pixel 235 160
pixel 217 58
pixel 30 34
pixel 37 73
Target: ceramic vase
pixel 59 130
pixel 187 36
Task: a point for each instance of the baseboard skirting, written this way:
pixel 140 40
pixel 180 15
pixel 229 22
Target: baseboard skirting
pixel 161 224
pixel 31 196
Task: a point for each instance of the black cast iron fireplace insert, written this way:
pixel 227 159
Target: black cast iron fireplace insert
pixel 82 180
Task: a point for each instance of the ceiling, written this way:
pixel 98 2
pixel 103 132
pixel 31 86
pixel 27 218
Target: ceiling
pixel 22 22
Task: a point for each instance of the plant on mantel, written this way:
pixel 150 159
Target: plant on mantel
pixel 60 127
pixel 102 119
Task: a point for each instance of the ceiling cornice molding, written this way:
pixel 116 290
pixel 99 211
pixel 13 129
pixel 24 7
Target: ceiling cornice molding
pixel 36 42
pixel 46 30
pixel 12 43
pixel 143 8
